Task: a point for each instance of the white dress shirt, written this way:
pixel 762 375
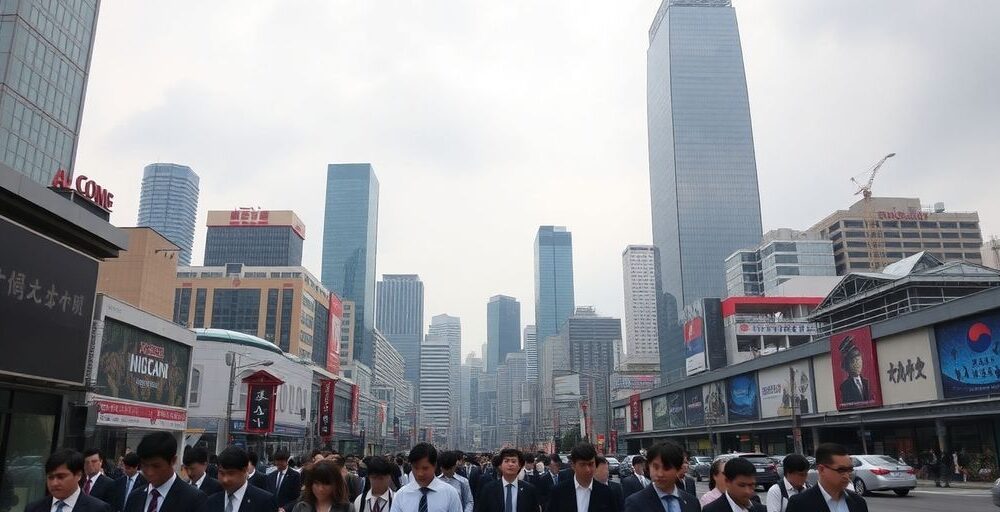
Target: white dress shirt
pixel 163 490
pixel 238 497
pixel 513 493
pixel 775 501
pixel 69 502
pixel 733 505
pixel 198 482
pixel 583 495
pixel 371 500
pixel 441 498
pixel 834 505
pixel 93 480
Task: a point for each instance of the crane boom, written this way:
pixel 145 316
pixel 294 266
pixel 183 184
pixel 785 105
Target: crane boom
pixel 866 189
pixel 874 236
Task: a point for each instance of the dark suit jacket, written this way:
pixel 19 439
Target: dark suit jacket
pixel 544 488
pixel 254 500
pixel 491 497
pixel 258 480
pixel 566 474
pixel 647 500
pixel 475 477
pixel 210 486
pixel 121 485
pixel 183 497
pixel 617 493
pixel 722 505
pixel 849 391
pixel 291 486
pixel 631 485
pixel 811 500
pixel 103 489
pixel 563 498
pixel 688 486
pixel 84 503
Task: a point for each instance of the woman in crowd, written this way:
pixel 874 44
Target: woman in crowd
pixel 716 483
pixel 325 490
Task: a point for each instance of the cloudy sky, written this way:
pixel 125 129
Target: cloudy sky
pixel 486 119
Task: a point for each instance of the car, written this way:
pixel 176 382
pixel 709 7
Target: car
pixel 613 465
pixel 767 470
pixel 700 466
pixel 625 468
pixel 996 492
pixel 882 473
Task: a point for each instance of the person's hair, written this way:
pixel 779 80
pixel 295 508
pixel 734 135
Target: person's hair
pixel 555 459
pixel 638 459
pixel 601 460
pixel 92 451
pixel 511 452
pixel 447 460
pixel 253 458
pixel 583 452
pixel 714 470
pixel 213 458
pixel 670 454
pixel 795 463
pixel 379 466
pixel 423 451
pixel 196 455
pixel 281 454
pixel 131 460
pixel 529 458
pixel 496 461
pixel 325 472
pixel 738 466
pixel 825 453
pixel 71 458
pixel 160 445
pixel 234 457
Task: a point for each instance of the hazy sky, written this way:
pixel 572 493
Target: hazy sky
pixel 486 119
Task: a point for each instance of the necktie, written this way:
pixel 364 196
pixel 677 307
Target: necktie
pixel 128 488
pixel 278 485
pixel 86 487
pixel 423 500
pixel 229 502
pixel 672 504
pixel 60 505
pixel 508 504
pixel 154 501
pixel 378 505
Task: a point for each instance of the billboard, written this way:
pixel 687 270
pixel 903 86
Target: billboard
pixel 675 410
pixel 694 345
pixel 905 366
pixel 694 409
pixel 777 328
pixel 713 398
pixel 635 413
pixel 855 369
pixel 660 412
pixel 743 401
pixel 782 387
pixel 566 388
pixel 969 358
pixel 141 366
pixel 334 324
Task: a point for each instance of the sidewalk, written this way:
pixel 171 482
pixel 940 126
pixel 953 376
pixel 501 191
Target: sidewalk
pixel 958 485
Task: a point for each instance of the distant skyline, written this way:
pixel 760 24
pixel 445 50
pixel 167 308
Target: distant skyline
pixel 482 129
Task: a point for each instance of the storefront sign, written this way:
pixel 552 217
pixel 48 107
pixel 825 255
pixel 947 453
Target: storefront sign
pixel 261 390
pixel 85 188
pixel 714 400
pixel 326 398
pixel 141 366
pixel 635 413
pixel 355 408
pixel 694 346
pixel 694 409
pixel 335 323
pixel 121 414
pixel 613 441
pixel 744 401
pixel 239 426
pixel 675 410
pixel 777 329
pixel 784 386
pixel 855 369
pixel 969 356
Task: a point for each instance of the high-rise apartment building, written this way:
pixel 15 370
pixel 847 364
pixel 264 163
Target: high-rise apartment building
pixel 782 255
pixel 503 329
pixel 554 295
pixel 258 238
pixel 350 232
pixel 437 389
pixel 702 169
pixel 168 203
pixel 641 271
pixel 448 329
pixel 531 352
pixel 400 317
pixel 47 48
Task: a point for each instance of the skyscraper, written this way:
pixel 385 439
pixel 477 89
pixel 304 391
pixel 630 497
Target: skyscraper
pixel 531 352
pixel 702 169
pixel 437 391
pixel 554 296
pixel 350 232
pixel 257 238
pixel 47 48
pixel 503 329
pixel 448 329
pixel 400 317
pixel 590 340
pixel 641 270
pixel 168 203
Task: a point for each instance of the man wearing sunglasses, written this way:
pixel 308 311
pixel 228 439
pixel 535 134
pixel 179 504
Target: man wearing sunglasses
pixel 832 493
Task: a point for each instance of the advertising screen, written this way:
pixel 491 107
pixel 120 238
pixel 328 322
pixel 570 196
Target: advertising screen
pixel 694 407
pixel 141 366
pixel 743 399
pixel 968 355
pixel 675 410
pixel 784 386
pixel 855 369
pixel 694 345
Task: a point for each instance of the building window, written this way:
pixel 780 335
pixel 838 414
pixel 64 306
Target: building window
pixel 195 387
pixel 891 234
pixel 201 294
pixel 893 244
pixel 953 255
pixel 967 234
pixel 236 309
pixel 948 225
pixel 928 225
pixel 908 224
pixel 854 224
pixel 858 254
pixel 911 234
pixel 949 235
pixel 855 234
pixel 968 225
pixel 914 245
pixel 285 336
pixel 931 234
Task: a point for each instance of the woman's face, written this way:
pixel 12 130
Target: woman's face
pixel 322 492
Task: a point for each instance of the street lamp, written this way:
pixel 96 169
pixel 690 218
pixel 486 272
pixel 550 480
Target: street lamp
pixel 231 363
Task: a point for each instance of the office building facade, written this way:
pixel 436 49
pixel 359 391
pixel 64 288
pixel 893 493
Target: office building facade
pixel 503 329
pixel 512 395
pixel 554 293
pixel 448 329
pixel 641 273
pixel 531 352
pixel 590 339
pixel 782 255
pixel 702 168
pixel 400 317
pixel 168 203
pixel 437 393
pixel 258 238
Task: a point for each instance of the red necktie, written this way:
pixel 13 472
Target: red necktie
pixel 152 502
pixel 86 487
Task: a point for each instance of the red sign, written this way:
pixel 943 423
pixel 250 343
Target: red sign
pixel 600 443
pixel 613 441
pixel 355 405
pixel 336 320
pixel 855 369
pixel 897 215
pixel 85 188
pixel 124 414
pixel 261 390
pixel 635 412
pixel 326 397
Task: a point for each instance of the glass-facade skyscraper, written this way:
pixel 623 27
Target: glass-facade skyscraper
pixel 503 329
pixel 256 238
pixel 400 317
pixel 168 203
pixel 350 231
pixel 702 170
pixel 554 295
pixel 46 48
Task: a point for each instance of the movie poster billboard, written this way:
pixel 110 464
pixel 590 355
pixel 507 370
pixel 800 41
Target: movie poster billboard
pixel 660 412
pixel 694 409
pixel 713 396
pixel 969 358
pixel 855 369
pixel 675 410
pixel 784 386
pixel 694 346
pixel 141 366
pixel 743 400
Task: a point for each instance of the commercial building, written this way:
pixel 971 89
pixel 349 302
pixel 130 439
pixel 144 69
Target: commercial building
pixel 554 295
pixel 143 275
pixel 390 386
pixel 503 329
pixel 436 390
pixel 991 252
pixel 347 333
pixel 531 352
pixel 782 255
pixel 47 48
pixel 168 203
pixel 702 168
pixel 448 328
pixel 350 235
pixel 400 317
pixel 514 402
pixel 488 410
pixel 257 238
pixel 641 271
pixel 906 228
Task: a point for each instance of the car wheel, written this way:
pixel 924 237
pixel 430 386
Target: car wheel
pixel 901 492
pixel 859 487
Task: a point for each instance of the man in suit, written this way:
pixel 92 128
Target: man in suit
pixel 165 492
pixel 664 461
pixel 448 463
pixel 130 481
pixel 638 481
pixel 548 480
pixel 854 388
pixel 95 483
pixel 741 487
pixel 580 493
pixel 255 477
pixel 508 494
pixel 683 480
pixel 237 495
pixel 63 474
pixel 831 492
pixel 196 464
pixel 284 483
pixel 603 474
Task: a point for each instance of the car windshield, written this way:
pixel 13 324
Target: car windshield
pixel 882 459
pixel 612 460
pixel 759 460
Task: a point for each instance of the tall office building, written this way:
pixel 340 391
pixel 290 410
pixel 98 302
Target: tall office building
pixel 503 329
pixel 400 317
pixel 782 255
pixel 641 271
pixel 590 341
pixel 259 238
pixel 448 329
pixel 350 232
pixel 512 392
pixel 531 352
pixel 47 48
pixel 437 391
pixel 702 169
pixel 168 203
pixel 554 296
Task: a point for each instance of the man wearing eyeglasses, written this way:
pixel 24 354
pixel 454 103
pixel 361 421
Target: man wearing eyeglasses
pixel 832 493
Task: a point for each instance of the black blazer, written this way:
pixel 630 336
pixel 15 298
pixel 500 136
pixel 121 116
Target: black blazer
pixel 103 489
pixel 291 486
pixel 811 500
pixel 647 500
pixel 850 393
pixel 722 505
pixel 84 503
pixel 544 488
pixel 258 480
pixel 491 497
pixel 563 498
pixel 616 492
pixel 687 485
pixel 631 485
pixel 182 497
pixel 566 474
pixel 210 486
pixel 121 485
pixel 254 500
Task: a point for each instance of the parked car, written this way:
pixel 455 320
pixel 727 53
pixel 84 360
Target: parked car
pixel 625 468
pixel 767 470
pixel 996 492
pixel 701 467
pixel 613 465
pixel 882 473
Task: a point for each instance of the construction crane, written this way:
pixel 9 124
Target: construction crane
pixel 874 236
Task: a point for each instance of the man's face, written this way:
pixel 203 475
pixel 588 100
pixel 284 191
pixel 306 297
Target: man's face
pixel 449 472
pixel 62 483
pixel 741 489
pixel 232 479
pixel 665 478
pixel 92 465
pixel 157 470
pixel 380 483
pixel 130 471
pixel 639 469
pixel 510 467
pixel 554 467
pixel 796 478
pixel 423 472
pixel 836 475
pixel 601 473
pixel 195 470
pixel 584 470
pixel 282 464
pixel 684 469
pixel 856 365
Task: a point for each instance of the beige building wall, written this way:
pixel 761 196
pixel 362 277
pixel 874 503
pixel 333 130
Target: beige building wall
pixel 143 275
pixel 909 350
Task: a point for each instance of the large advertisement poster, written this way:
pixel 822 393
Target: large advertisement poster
pixel 694 407
pixel 326 397
pixel 675 410
pixel 141 366
pixel 694 345
pixel 743 399
pixel 635 413
pixel 660 412
pixel 969 358
pixel 714 400
pixel 783 387
pixel 855 369
pixel 335 322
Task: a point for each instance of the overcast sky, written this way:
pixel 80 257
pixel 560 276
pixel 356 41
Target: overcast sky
pixel 485 120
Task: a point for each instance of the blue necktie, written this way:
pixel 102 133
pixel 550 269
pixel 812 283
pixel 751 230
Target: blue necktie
pixel 672 503
pixel 423 500
pixel 508 505
pixel 60 505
